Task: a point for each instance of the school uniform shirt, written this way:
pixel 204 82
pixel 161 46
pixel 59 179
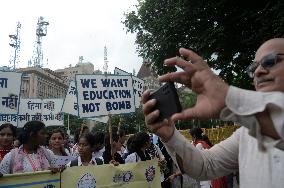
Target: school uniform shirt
pixel 122 150
pixel 259 159
pixel 99 154
pixel 132 158
pixel 92 162
pixel 117 157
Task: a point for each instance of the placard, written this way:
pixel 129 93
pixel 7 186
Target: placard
pixel 101 95
pixel 70 105
pixel 138 85
pixel 10 85
pixel 45 110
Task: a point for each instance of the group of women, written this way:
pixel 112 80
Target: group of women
pixel 30 156
pixel 91 149
pixel 33 155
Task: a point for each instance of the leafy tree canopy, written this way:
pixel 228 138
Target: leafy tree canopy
pixel 225 32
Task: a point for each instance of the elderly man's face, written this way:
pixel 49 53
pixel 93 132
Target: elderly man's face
pixel 272 78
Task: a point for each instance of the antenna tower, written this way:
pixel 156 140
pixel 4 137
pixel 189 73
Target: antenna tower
pixel 105 60
pixel 15 43
pixel 41 31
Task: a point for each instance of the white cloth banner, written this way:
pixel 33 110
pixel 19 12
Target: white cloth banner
pixel 138 86
pixel 70 105
pixel 45 110
pixel 100 95
pixel 10 85
pixel 9 118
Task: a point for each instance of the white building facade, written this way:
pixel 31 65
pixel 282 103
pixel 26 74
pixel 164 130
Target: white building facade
pixel 41 83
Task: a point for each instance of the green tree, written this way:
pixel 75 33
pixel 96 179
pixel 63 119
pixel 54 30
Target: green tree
pixel 74 122
pixel 225 32
pixel 131 123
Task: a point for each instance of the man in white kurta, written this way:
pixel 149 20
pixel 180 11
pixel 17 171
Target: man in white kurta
pixel 256 149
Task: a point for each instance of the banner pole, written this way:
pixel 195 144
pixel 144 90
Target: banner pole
pixel 68 125
pixel 120 122
pixel 110 136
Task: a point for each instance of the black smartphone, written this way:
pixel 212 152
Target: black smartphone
pixel 167 101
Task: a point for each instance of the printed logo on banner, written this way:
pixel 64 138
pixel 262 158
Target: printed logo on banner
pixel 123 177
pixel 150 173
pixel 87 181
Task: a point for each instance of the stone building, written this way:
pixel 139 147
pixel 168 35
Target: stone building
pixel 68 74
pixel 41 83
pixel 149 76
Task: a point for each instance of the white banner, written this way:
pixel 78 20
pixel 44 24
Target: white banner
pixel 70 105
pixel 10 84
pixel 100 95
pixel 118 71
pixel 138 86
pixel 9 118
pixel 45 110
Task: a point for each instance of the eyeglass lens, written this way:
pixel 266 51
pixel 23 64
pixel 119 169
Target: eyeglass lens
pixel 265 62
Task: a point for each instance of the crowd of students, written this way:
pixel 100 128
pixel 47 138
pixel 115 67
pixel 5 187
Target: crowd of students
pixel 34 150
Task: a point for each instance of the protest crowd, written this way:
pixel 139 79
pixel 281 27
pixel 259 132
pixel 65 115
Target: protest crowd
pixel 32 149
pixel 258 143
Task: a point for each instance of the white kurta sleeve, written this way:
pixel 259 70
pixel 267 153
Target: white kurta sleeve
pixel 242 105
pixel 218 161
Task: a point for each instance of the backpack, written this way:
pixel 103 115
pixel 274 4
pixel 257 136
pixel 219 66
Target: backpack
pixel 75 162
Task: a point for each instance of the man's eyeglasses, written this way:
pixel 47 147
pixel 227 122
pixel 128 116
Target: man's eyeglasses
pixel 266 62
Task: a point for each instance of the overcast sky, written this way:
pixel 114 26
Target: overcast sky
pixel 77 28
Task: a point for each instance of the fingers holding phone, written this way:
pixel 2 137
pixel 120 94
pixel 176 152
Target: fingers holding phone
pixel 158 107
pixel 148 108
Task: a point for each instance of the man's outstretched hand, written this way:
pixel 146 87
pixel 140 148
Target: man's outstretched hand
pixel 210 89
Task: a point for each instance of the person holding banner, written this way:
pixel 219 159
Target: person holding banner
pixel 99 147
pixel 56 143
pixel 122 139
pixel 258 143
pixel 141 143
pixel 129 146
pixel 85 148
pixel 7 135
pixel 111 154
pixel 30 156
pixel 78 134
